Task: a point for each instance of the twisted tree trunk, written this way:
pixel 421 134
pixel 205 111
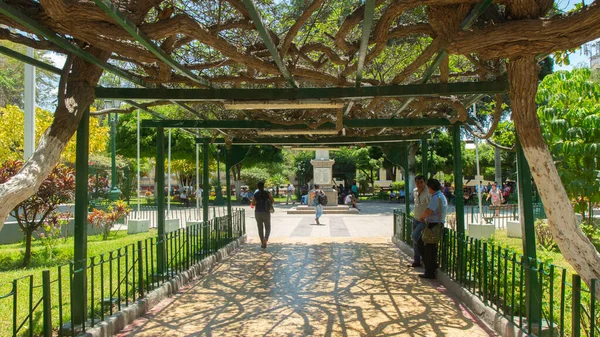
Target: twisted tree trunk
pixel 79 95
pixel 574 245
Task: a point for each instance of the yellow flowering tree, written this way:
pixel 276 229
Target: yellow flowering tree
pixel 11 134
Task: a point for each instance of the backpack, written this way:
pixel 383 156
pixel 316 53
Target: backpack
pixel 322 198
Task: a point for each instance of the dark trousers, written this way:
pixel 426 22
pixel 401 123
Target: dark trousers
pixel 430 259
pixel 430 255
pixel 263 221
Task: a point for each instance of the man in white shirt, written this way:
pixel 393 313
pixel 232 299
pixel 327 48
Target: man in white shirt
pixel 290 194
pixel 422 198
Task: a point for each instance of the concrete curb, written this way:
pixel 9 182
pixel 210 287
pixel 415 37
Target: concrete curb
pixel 499 323
pixel 119 320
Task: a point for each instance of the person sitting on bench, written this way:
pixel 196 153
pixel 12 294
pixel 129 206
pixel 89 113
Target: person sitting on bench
pixel 244 196
pixel 350 200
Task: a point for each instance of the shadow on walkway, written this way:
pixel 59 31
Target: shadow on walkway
pixel 327 289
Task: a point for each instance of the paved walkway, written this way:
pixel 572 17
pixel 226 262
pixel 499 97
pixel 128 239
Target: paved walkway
pixel 333 280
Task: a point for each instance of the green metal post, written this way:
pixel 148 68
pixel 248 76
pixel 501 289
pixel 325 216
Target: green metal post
pixel 406 179
pixel 458 181
pixel 47 303
pixel 79 285
pixel 532 289
pixel 205 197
pixel 228 189
pixel 424 152
pixel 160 199
pixel 205 182
pixel 576 306
pixel 459 201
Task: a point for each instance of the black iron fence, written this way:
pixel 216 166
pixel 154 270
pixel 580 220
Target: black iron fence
pixel 562 304
pixel 41 305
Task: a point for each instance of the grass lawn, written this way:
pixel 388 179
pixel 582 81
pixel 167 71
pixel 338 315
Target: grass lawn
pixel 516 244
pixel 11 257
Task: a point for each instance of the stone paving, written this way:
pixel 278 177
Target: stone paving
pixel 343 278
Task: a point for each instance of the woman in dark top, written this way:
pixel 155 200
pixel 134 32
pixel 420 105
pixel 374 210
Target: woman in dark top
pixel 262 213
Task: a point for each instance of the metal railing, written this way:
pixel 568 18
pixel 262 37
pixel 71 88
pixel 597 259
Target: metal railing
pixel 40 305
pixel 183 214
pixel 498 277
pixel 500 215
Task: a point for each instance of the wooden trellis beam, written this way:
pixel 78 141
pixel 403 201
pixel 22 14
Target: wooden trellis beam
pixel 266 37
pixel 260 124
pixel 65 44
pixel 136 33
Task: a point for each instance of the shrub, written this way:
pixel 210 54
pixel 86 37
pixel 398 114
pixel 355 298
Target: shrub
pixel 52 231
pixel 398 185
pixel 106 220
pixel 589 229
pixel 544 236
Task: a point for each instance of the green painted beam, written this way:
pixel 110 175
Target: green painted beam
pixel 29 60
pixel 144 40
pixel 65 44
pixel 364 41
pixel 266 37
pixel 337 93
pixel 261 124
pixel 342 141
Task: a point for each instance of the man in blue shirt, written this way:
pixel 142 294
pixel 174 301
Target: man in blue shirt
pixel 434 215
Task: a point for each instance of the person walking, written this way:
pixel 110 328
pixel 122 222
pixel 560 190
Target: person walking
pixel 496 196
pixel 434 215
pixel 422 199
pixel 290 194
pixel 317 203
pixel 262 201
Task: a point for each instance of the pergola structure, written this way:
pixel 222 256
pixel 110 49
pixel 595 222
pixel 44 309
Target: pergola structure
pixel 328 73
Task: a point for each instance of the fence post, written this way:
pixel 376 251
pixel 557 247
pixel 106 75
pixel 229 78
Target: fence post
pixel 395 221
pixel 576 306
pixel 140 268
pixel 47 303
pixel 485 273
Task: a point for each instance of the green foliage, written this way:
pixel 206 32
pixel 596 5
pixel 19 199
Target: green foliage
pixel 398 185
pixel 301 165
pixel 251 176
pixel 50 236
pixel 345 165
pixel 569 113
pixel 57 188
pixel 12 78
pixel 105 220
pixel 543 236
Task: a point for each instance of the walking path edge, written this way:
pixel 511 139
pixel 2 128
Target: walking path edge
pixel 487 315
pixel 119 320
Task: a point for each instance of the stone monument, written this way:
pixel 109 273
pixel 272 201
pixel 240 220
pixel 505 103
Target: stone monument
pixel 323 176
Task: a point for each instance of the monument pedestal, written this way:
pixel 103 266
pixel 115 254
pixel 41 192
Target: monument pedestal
pixel 323 176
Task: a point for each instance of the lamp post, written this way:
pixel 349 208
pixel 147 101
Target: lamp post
pixel 115 192
pixel 219 201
